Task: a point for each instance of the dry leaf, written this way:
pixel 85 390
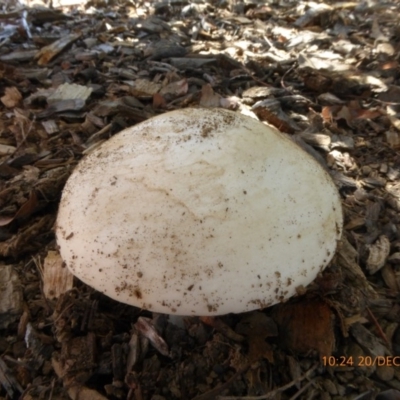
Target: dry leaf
pixel 47 53
pixel 24 211
pixel 306 326
pixel 12 97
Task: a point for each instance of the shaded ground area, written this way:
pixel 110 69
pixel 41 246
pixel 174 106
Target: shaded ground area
pixel 327 74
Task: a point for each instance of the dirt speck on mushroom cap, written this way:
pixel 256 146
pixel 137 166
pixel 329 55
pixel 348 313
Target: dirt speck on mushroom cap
pixel 198 212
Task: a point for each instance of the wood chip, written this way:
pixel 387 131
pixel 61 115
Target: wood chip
pixel 47 53
pixel 378 254
pixel 306 326
pixel 56 277
pixel 11 301
pixel 369 342
pixel 68 91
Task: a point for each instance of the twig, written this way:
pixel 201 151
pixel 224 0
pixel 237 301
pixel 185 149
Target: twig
pixel 53 381
pixel 302 390
pixel 210 395
pixel 269 43
pixel 273 393
pixel 378 327
pixel 98 135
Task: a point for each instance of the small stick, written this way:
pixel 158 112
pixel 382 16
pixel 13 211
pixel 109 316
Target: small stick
pixel 273 393
pixel 302 390
pixel 210 395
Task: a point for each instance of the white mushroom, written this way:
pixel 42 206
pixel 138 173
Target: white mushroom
pixel 199 212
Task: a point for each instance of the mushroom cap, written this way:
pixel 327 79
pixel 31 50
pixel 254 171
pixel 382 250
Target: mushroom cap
pixel 199 212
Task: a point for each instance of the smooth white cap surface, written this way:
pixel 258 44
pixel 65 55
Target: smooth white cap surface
pixel 198 212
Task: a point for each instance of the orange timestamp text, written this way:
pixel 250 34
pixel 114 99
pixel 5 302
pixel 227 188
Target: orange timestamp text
pixel 361 361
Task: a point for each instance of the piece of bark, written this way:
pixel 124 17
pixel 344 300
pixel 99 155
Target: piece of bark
pixel 306 326
pixel 70 91
pixel 8 381
pixel 145 89
pixel 317 140
pixel 164 49
pixel 56 277
pixel 76 392
pixel 270 110
pixel 50 126
pixel 12 97
pixel 21 55
pixel 11 299
pixel 47 53
pixel 257 327
pixel 347 259
pixel 391 279
pixel 378 254
pixel 61 106
pixel 369 342
pixel 184 63
pixel 309 149
pixel 26 238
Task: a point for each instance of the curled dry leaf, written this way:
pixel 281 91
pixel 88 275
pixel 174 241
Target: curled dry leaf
pixel 24 211
pixel 378 254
